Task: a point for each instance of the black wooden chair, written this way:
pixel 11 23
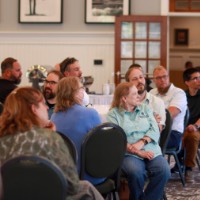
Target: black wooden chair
pixel 32 178
pixel 102 154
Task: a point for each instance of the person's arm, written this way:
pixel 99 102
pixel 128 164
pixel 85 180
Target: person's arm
pixel 174 111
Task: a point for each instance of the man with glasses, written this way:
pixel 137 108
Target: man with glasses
pixel 50 88
pixel 135 75
pixel 71 67
pixel 175 101
pixel 191 137
pixel 11 77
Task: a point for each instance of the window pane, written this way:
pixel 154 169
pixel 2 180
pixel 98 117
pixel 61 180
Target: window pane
pixel 127 30
pixel 143 64
pixel 154 49
pixel 125 64
pixel 140 49
pixel 195 5
pixel 152 64
pixel 154 30
pixel 141 30
pixel 126 49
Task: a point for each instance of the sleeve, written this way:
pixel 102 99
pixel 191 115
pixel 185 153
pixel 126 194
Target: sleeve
pixel 179 100
pixel 153 131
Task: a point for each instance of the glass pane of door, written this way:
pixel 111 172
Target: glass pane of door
pixel 140 50
pixel 154 31
pixel 126 49
pixel 126 30
pixel 140 30
pixel 154 50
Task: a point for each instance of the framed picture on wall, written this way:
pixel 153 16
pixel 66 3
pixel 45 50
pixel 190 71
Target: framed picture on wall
pixel 40 11
pixel 181 36
pixel 104 11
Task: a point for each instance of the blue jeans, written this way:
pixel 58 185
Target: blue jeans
pixel 157 171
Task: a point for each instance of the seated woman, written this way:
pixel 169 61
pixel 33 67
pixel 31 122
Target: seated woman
pixel 24 129
pixel 143 157
pixel 71 118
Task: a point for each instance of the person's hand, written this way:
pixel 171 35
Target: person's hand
pixel 50 125
pixel 146 154
pixel 157 117
pixel 191 128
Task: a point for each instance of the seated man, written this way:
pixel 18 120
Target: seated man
pixel 135 75
pixel 175 101
pixel 191 137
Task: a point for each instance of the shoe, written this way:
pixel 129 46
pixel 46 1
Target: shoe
pixel 175 169
pixel 189 177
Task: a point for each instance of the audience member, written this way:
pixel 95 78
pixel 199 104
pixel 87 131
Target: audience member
pixel 175 101
pixel 188 65
pixel 191 137
pixel 50 88
pixel 143 158
pixel 23 130
pixel 135 75
pixel 71 67
pixel 11 77
pixel 71 118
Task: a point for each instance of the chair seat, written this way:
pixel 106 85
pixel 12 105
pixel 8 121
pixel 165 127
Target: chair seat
pixel 105 187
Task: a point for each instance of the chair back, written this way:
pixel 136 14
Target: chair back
pixel 186 118
pixel 32 178
pixel 102 151
pixel 71 146
pixel 165 134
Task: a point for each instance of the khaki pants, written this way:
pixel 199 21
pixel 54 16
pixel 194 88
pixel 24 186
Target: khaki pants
pixel 190 143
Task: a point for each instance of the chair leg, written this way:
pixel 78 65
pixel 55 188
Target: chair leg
pixel 198 158
pixel 179 169
pixel 164 196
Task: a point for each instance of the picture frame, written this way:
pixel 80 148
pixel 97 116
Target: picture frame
pixel 104 12
pixel 40 11
pixel 181 36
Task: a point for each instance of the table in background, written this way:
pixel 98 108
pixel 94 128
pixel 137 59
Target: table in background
pixel 96 99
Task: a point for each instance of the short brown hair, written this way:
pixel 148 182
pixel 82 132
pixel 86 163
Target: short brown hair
pixel 7 64
pixel 64 65
pixel 57 73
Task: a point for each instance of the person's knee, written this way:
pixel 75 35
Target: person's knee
pixel 191 137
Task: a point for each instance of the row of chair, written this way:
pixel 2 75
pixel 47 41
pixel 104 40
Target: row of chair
pixel 32 177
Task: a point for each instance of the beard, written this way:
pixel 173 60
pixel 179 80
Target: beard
pixel 141 88
pixel 15 80
pixel 48 93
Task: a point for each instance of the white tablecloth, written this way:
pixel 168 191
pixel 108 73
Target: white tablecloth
pixel 102 110
pixel 100 99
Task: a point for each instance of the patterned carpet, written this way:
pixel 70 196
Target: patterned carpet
pixel 191 191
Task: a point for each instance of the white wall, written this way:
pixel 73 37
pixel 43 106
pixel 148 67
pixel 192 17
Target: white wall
pixel 49 49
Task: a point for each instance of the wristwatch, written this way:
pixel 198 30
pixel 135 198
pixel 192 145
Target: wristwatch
pixel 144 140
pixel 196 126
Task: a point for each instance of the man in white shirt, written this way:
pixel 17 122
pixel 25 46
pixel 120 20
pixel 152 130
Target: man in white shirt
pixel 175 101
pixel 135 75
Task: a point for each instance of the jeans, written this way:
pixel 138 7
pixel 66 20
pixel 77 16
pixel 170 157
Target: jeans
pixel 157 171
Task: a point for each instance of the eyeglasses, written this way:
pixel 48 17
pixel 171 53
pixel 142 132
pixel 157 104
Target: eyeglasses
pixel 158 78
pixel 50 82
pixel 195 78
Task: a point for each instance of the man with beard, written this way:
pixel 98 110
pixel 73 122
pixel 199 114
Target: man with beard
pixel 50 88
pixel 71 67
pixel 135 75
pixel 11 77
pixel 175 101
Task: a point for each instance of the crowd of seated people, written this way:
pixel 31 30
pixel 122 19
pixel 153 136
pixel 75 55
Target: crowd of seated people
pixel 140 113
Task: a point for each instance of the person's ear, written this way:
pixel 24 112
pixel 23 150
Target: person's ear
pixel 124 99
pixel 33 108
pixel 66 73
